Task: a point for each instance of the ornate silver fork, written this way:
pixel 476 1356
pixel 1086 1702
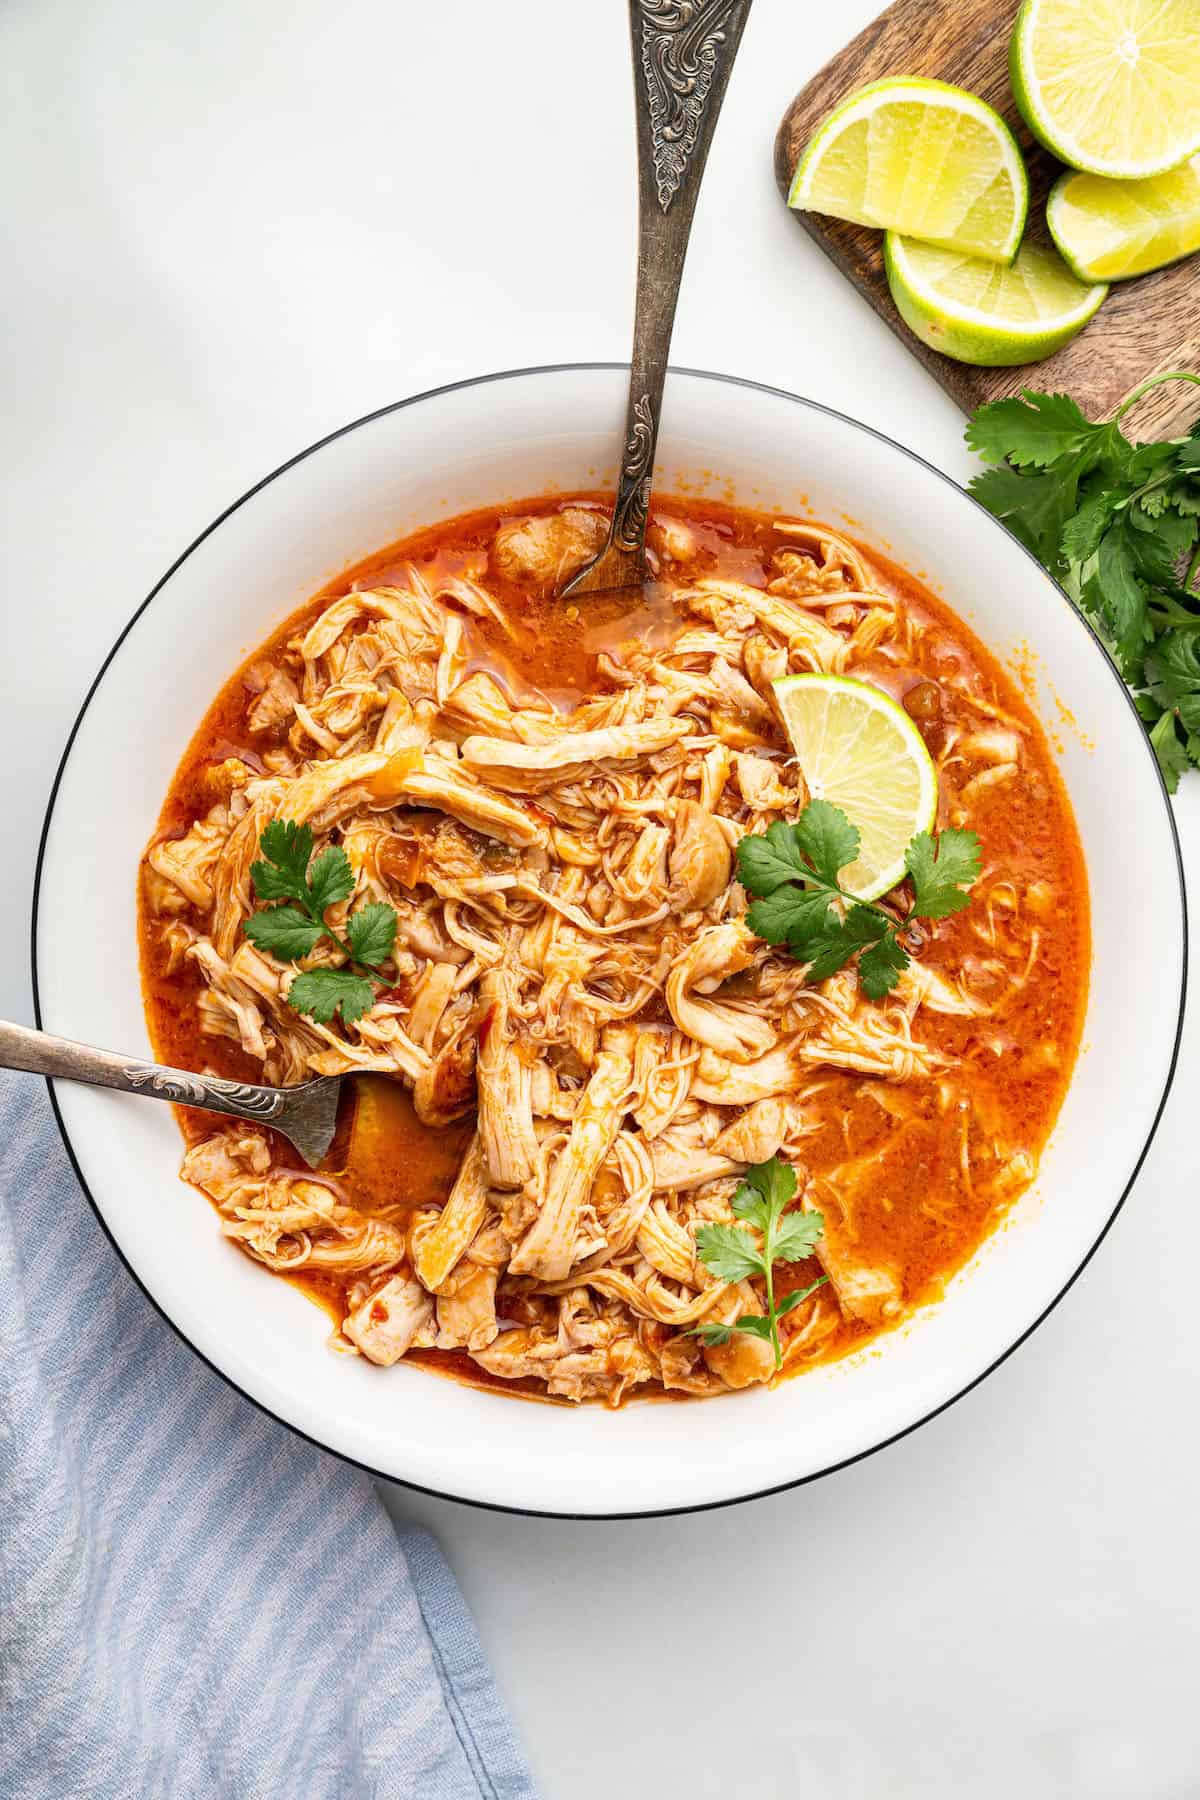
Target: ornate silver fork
pixel 683 52
pixel 305 1114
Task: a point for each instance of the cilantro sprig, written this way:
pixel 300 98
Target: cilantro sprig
pixel 792 872
pixel 1118 524
pixel 731 1253
pixel 287 873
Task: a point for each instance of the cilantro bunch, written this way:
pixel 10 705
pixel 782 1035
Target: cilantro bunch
pixel 290 932
pixel 731 1253
pixel 792 870
pixel 1118 524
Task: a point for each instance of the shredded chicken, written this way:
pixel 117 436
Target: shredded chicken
pixel 544 550
pixel 571 963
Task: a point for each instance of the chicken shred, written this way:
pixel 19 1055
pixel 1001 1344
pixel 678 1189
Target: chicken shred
pixel 571 962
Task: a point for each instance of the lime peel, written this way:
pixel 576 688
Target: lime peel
pixel 1112 89
pixel 922 157
pixel 1110 230
pixel 970 310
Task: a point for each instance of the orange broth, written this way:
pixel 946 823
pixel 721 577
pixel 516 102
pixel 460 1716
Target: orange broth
pixel 922 1211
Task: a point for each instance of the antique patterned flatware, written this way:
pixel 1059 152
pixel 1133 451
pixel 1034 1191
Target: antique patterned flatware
pixel 305 1115
pixel 683 53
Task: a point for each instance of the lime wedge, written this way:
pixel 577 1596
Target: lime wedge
pixel 1110 230
pixel 859 750
pixel 1111 86
pixel 920 157
pixel 977 313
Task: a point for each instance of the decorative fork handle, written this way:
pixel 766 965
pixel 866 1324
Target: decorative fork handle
pixel 38 1053
pixel 683 53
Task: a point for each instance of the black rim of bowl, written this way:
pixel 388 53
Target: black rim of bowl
pixel 901 450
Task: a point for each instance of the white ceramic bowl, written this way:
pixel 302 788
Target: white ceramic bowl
pixel 466 446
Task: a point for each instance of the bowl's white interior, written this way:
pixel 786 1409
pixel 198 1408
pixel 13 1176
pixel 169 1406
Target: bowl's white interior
pixel 472 446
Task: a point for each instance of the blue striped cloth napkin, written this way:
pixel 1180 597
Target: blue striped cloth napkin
pixel 193 1602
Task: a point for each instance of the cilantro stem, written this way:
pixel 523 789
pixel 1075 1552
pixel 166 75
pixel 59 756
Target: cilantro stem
pixel 1155 381
pixel 345 949
pixel 1147 487
pixel 769 1260
pixel 318 918
pixel 839 893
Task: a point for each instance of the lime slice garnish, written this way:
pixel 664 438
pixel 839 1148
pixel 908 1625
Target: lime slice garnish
pixel 977 313
pixel 1112 86
pixel 858 749
pixel 923 158
pixel 1109 230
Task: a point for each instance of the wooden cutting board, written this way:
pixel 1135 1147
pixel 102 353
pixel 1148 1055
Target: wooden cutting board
pixel 1144 327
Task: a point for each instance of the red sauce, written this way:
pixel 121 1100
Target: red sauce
pixel 920 1210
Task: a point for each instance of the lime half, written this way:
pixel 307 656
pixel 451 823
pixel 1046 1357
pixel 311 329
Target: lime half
pixel 923 158
pixel 859 750
pixel 1110 230
pixel 1111 86
pixel 978 313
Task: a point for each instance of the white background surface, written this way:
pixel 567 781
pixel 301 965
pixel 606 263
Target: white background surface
pixel 232 228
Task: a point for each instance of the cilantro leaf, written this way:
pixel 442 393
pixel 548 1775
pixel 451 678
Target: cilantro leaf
pixel 941 868
pixel 1032 506
pixel 322 993
pixel 291 932
pixel 1120 598
pixel 713 1333
pixel 1172 755
pixel 1173 672
pixel 1158 543
pixel 797 1295
pixel 1189 454
pixel 755 1325
pixel 284 932
pixel 826 837
pixel 794 869
pixel 1147 460
pixel 1032 431
pixel 728 1252
pixel 330 879
pixel 272 883
pixel 806 922
pixel 1082 532
pixel 789 915
pixel 797 1236
pixel 768 860
pixel 288 846
pixel 371 933
pixel 765 1190
pixel 880 968
pixel 830 948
